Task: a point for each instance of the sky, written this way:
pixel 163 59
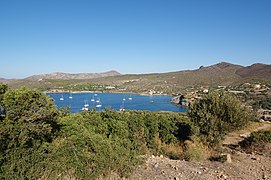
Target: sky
pixel 130 36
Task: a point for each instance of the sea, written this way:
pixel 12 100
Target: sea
pixel 117 101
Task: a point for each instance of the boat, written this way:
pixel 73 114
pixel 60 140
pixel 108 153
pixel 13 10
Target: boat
pixel 92 99
pixel 124 99
pixel 130 98
pixel 70 97
pixel 98 105
pixel 122 107
pixel 62 98
pixel 86 103
pixel 85 108
pixel 95 94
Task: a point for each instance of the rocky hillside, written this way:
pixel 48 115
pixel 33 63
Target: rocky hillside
pixel 223 74
pixel 59 75
pixel 255 70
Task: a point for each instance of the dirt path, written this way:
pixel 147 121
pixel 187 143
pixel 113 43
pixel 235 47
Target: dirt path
pixel 236 137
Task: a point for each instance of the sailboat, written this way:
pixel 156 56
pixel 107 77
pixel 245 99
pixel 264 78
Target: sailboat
pixel 70 97
pixel 62 98
pixel 99 103
pixel 130 98
pixel 122 107
pixel 124 99
pixel 92 100
pixel 98 100
pixel 85 108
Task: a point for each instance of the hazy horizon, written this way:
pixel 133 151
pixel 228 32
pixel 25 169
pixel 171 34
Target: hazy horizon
pixel 131 37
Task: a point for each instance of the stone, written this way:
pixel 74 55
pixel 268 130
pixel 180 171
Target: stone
pixel 229 158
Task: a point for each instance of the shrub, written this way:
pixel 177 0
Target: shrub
pixel 29 125
pixel 195 150
pixel 216 114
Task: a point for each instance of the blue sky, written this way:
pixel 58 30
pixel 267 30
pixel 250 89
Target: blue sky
pixel 130 36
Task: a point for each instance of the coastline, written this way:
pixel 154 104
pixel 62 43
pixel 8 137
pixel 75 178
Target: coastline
pixel 117 92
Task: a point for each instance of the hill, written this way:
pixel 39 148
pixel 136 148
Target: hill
pixel 221 74
pixel 59 75
pixel 255 70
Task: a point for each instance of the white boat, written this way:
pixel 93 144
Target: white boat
pixel 122 107
pixel 62 98
pixel 130 98
pixel 98 105
pixel 92 100
pixel 70 97
pixel 86 104
pixel 95 94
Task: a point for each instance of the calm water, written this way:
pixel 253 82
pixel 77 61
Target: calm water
pixel 115 101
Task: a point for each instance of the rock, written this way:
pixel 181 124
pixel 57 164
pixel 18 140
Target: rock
pixel 176 178
pixel 255 158
pixel 223 176
pixel 156 165
pixel 161 156
pixel 229 158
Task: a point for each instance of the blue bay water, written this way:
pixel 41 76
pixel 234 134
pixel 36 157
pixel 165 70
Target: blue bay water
pixel 115 101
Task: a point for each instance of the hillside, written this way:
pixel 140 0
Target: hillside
pixel 255 70
pixel 223 74
pixel 218 74
pixel 59 75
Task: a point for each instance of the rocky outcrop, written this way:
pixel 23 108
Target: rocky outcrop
pixel 177 99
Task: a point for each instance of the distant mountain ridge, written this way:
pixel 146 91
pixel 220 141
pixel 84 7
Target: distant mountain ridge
pixel 220 74
pixel 60 75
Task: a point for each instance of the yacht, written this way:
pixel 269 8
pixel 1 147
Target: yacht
pixel 122 107
pixel 85 108
pixel 70 97
pixel 62 98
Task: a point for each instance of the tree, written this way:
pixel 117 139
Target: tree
pixel 29 123
pixel 31 114
pixel 216 114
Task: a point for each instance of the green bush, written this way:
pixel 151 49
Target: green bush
pixel 216 114
pixel 29 125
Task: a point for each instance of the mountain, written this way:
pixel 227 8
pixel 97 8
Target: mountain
pixel 59 75
pixel 256 70
pixel 221 74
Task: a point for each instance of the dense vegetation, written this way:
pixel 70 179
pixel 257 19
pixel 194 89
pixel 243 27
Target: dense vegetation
pixel 39 141
pixel 218 113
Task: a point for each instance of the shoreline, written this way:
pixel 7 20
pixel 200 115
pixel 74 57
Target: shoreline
pixel 81 92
